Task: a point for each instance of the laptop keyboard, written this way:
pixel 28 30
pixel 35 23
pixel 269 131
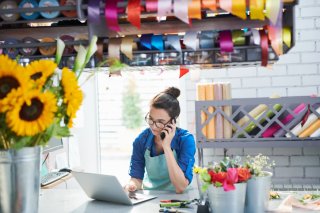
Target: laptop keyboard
pixel 295 187
pixel 52 177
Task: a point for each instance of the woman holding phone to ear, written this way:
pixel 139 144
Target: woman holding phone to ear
pixel 163 154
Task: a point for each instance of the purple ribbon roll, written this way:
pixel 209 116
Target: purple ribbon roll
pixel 226 44
pixel 94 12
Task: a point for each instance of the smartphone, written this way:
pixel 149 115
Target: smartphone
pixel 162 134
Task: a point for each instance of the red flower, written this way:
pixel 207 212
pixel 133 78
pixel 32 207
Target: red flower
pixel 243 174
pixel 231 179
pixel 217 177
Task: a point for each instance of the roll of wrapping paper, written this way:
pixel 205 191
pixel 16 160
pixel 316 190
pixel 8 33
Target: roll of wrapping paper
pixel 69 13
pixel 238 37
pixel 9 4
pixel 94 12
pixel 219 119
pixel 225 41
pixel 201 96
pixel 134 12
pixel 47 50
pixel 264 48
pixel 152 5
pixel 114 48
pixel 310 130
pixel 210 4
pixel 80 37
pixel 126 46
pixel 11 52
pixel 256 9
pixel 29 4
pixel 226 95
pixel 180 8
pixel 275 127
pixel 49 3
pixel 239 8
pixel 27 51
pixel 253 113
pixel 299 128
pixel 194 9
pixel 315 134
pixel 211 125
pixel 111 15
pixel 68 48
pixel 286 35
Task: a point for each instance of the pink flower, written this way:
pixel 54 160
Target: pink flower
pixel 231 179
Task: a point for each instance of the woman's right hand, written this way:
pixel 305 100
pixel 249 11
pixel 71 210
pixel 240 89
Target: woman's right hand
pixel 131 187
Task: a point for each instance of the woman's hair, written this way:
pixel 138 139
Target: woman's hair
pixel 168 101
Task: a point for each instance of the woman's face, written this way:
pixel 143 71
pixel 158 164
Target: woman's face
pixel 157 119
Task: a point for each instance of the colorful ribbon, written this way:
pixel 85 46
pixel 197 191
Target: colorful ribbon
pixel 191 40
pixel 164 8
pixel 174 41
pixel 145 41
pixel 256 9
pixel 286 35
pixel 275 32
pixel 194 9
pixel 152 5
pixel 264 48
pixel 210 4
pixel 239 8
pixel 94 12
pixel 273 10
pixel 111 15
pixel 238 37
pixel 114 48
pixel 225 40
pixel 134 12
pixel 157 42
pixel 255 36
pixel 180 8
pixel 226 5
pixel 127 46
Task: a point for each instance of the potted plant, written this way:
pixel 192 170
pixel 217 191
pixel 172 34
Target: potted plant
pixel 225 183
pixel 258 187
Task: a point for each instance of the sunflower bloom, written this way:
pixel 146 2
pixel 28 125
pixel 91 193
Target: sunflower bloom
pixel 12 77
pixel 72 93
pixel 32 113
pixel 40 71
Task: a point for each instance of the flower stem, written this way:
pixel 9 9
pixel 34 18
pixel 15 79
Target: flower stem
pixel 6 145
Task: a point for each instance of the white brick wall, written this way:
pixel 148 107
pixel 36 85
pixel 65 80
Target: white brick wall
pixel 296 73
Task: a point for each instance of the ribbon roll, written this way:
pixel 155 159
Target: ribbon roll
pixel 264 48
pixel 152 5
pixel 29 50
pixel 114 48
pixel 68 48
pixel 273 8
pixel 191 40
pixel 9 5
pixel 157 42
pixel 180 8
pixel 145 41
pixel 94 12
pixel 256 9
pixel 49 3
pixel 111 15
pixel 29 4
pixel 226 5
pixel 11 52
pixel 256 36
pixel 195 9
pixel 127 46
pixel 238 37
pixel 225 40
pixel 174 41
pixel 48 50
pixel 164 8
pixel 69 13
pixel 239 8
pixel 134 13
pixel 286 35
pixel 210 4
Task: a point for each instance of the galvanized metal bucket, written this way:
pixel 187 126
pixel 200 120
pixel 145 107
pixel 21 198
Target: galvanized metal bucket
pixel 20 180
pixel 230 201
pixel 257 197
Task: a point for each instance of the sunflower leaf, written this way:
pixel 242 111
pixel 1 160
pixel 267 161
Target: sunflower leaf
pixel 62 131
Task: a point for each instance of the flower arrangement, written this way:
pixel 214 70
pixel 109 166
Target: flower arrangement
pixel 258 164
pixel 224 174
pixel 39 101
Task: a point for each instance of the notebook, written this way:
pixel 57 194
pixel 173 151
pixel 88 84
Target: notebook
pixel 108 188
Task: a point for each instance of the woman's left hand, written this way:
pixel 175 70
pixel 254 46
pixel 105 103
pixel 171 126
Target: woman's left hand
pixel 169 130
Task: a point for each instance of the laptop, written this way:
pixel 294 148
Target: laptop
pixel 108 188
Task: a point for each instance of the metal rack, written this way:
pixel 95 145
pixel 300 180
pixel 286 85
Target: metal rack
pixel 240 108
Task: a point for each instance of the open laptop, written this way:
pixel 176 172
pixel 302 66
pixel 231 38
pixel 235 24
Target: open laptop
pixel 108 188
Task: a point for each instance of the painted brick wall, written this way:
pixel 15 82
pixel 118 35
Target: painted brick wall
pixel 296 73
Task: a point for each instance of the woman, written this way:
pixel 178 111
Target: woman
pixel 163 155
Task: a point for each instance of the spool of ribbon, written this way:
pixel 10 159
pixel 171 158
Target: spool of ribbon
pixel 225 41
pixel 180 8
pixel 164 8
pixel 256 9
pixel 9 4
pixel 273 9
pixel 114 48
pixel 145 41
pixel 191 40
pixel 29 4
pixel 238 37
pixel 11 52
pixel 152 5
pixel 68 48
pixel 134 12
pixel 226 5
pixel 126 46
pixel 157 42
pixel 94 12
pixel 47 50
pixel 49 3
pixel 210 4
pixel 111 15
pixel 264 48
pixel 174 41
pixel 286 35
pixel 69 13
pixel 195 9
pixel 27 51
pixel 239 8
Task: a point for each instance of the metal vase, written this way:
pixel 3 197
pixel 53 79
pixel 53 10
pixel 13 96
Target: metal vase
pixel 230 201
pixel 20 180
pixel 257 197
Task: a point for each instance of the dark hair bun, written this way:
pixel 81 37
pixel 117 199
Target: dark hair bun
pixel 173 91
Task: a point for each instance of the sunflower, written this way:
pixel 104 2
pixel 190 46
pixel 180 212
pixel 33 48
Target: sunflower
pixel 40 71
pixel 32 113
pixel 11 78
pixel 73 96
